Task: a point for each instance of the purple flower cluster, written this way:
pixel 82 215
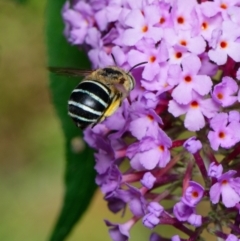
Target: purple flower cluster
pixel 189 87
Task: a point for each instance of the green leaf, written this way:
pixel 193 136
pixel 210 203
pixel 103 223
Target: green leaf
pixel 80 174
pixel 20 1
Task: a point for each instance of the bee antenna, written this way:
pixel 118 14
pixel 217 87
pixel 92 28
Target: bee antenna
pixel 136 66
pixel 114 60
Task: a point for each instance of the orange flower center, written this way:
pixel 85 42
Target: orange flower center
pixel 204 26
pixel 145 29
pixel 223 6
pixel 178 55
pixel 183 43
pixel 195 194
pixel 180 20
pixel 221 134
pixel 162 20
pixel 194 104
pixel 188 78
pixel 161 148
pixel 224 182
pixel 150 117
pixel 152 59
pixel 220 96
pixel 223 44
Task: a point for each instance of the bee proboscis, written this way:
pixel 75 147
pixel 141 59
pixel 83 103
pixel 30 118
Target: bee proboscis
pixel 99 94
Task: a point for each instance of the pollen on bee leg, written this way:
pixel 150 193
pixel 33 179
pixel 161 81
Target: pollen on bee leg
pixel 77 144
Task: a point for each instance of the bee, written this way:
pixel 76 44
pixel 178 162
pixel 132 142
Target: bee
pixel 99 94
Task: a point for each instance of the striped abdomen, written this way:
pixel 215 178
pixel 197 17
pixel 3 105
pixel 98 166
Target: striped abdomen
pixel 88 102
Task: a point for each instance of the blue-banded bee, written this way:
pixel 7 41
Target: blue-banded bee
pixel 99 94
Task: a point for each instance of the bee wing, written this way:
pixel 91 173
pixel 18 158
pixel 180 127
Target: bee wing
pixel 70 71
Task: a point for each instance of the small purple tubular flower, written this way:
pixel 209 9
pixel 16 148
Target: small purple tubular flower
pixel 231 237
pixel 144 123
pixel 110 180
pixel 120 232
pixel 227 187
pixel 195 111
pixel 215 170
pixel 184 212
pixel 226 44
pixel 224 91
pixel 115 204
pixel 175 238
pixel 190 81
pixel 155 237
pixel 192 145
pixel 150 152
pixel 155 208
pixel 150 220
pixel 233 115
pixel 195 220
pixel 224 134
pixel 141 26
pixel 238 74
pixel 78 20
pixel 137 202
pixel 193 194
pixel 148 180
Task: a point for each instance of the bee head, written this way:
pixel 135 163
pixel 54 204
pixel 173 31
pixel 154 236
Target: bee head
pixel 130 77
pixel 131 81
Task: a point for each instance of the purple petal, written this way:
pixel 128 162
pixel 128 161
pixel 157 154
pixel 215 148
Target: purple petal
pixel 231 237
pixel 174 71
pixel 175 238
pixel 220 120
pixel 234 50
pixel 154 33
pixel 175 109
pixel 119 232
pixel 215 193
pixel 212 137
pixel 131 36
pixel 185 88
pixel 191 63
pixel 135 57
pixel 233 115
pixel 229 196
pixel 209 107
pixel 197 45
pixel 194 120
pixel 150 159
pixel 218 56
pixel 209 9
pixel 135 19
pixel 135 207
pixel 202 84
pixel 150 71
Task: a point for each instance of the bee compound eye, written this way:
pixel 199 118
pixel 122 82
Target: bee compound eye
pixel 131 82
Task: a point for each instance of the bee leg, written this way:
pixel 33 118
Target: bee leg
pixel 115 103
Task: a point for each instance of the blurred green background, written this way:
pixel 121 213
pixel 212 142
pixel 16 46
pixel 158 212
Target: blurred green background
pixel 31 141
